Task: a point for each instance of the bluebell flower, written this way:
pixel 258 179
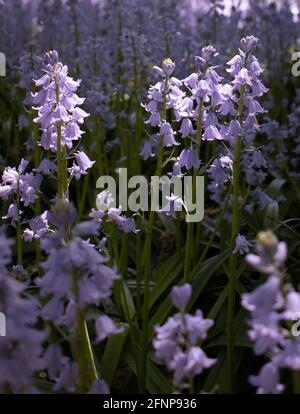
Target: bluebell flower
pixel 175 342
pixel 38 227
pixel 186 128
pixel 267 381
pixel 105 327
pixel 272 306
pixel 189 159
pixel 146 151
pixel 181 296
pixel 21 349
pixel 242 245
pixel 59 114
pixel 99 387
pixel 17 180
pixel 68 378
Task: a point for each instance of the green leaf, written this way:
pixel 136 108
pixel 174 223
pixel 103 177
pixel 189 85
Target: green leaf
pixel 217 378
pixel 168 265
pixel 111 356
pixel 127 302
pixel 166 276
pixel 202 277
pixel 218 304
pixel 240 341
pixel 156 382
pixel 200 280
pixel 284 224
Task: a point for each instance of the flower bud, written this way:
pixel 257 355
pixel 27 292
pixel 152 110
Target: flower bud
pixel 181 296
pixel 168 66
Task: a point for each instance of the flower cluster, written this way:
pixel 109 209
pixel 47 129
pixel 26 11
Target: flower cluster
pixel 16 181
pixel 21 351
pixel 59 112
pixel 176 342
pixel 38 227
pixel 192 101
pixel 273 307
pixel 76 277
pixel 78 259
pixel 22 185
pixel 107 211
pixel 58 104
pixel 209 109
pixel 162 96
pixel 240 101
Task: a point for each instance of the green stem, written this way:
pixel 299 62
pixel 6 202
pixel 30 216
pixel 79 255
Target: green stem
pixel 117 288
pixel 198 237
pixel 138 277
pixel 213 235
pixel 37 148
pixel 19 230
pixel 99 138
pixel 147 273
pixel 138 112
pixel 147 256
pixel 296 382
pixel 38 206
pixel 191 384
pixel 83 197
pixel 62 171
pixel 177 232
pixel 188 252
pixel 84 352
pixel 199 125
pixel 233 257
pixel 190 226
pixel 124 255
pixel 84 355
pixel 115 245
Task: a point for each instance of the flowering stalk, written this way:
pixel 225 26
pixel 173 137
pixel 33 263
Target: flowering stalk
pixel 86 363
pixel 38 207
pixel 22 347
pixel 147 272
pixel 59 117
pixel 80 273
pixel 19 228
pixel 233 256
pixel 84 354
pixel 176 342
pixel 138 108
pixel 139 268
pixel 246 70
pixel 168 67
pixel 62 171
pixel 198 141
pixel 204 86
pixel 274 307
pixel 190 227
pixel 24 187
pixel 37 160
